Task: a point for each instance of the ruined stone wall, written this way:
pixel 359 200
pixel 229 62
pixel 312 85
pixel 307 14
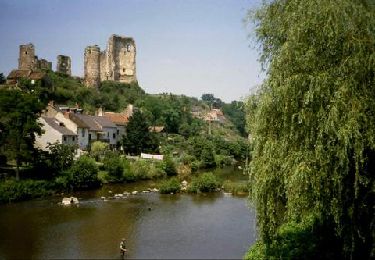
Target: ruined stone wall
pixel 44 64
pixel 29 61
pixel 116 63
pixel 104 72
pixel 63 65
pixel 120 59
pixel 27 58
pixel 92 66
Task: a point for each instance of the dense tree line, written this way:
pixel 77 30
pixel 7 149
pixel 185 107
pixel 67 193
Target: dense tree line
pixel 313 129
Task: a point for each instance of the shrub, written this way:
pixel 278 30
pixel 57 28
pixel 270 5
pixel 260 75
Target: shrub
pixel 12 190
pixel 114 166
pixel 207 182
pixel 84 173
pixel 170 186
pixel 235 187
pixel 169 166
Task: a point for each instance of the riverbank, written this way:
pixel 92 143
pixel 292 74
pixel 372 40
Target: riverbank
pixel 228 180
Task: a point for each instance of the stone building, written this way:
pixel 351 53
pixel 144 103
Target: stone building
pixel 64 65
pixel 92 66
pixel 116 63
pixel 29 61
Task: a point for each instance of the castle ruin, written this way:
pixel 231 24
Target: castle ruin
pixel 116 63
pixel 29 61
pixel 63 65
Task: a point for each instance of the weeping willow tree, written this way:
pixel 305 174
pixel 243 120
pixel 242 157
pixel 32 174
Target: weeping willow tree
pixel 313 129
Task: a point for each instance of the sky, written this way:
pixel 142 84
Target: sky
pixel 188 47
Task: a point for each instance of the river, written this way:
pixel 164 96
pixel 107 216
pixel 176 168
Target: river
pixel 186 226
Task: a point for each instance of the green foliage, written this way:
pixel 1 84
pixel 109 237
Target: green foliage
pixel 235 112
pixel 313 123
pixel 50 164
pixel 169 166
pixel 138 137
pixel 18 114
pixel 111 96
pixel 98 150
pixel 11 190
pixel 2 78
pixel 83 174
pixel 114 165
pixel 145 169
pixel 170 186
pixel 235 187
pixel 206 182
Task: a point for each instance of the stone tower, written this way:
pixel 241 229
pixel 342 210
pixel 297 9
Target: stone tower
pixel 27 59
pixel 64 65
pixel 118 61
pixel 92 66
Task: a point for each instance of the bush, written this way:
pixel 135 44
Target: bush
pixel 145 170
pixel 12 190
pixel 235 187
pixel 207 182
pixel 170 186
pixel 114 165
pixel 169 166
pixel 83 174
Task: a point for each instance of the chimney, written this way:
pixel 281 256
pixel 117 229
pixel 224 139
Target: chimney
pixel 100 112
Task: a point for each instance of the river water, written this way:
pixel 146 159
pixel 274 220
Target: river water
pixel 185 226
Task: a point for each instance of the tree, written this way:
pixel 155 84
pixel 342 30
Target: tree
pixel 138 137
pixel 314 127
pixel 84 173
pixel 18 121
pixel 2 78
pixel 98 149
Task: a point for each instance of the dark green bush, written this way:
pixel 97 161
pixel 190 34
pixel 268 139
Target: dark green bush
pixel 114 165
pixel 170 186
pixel 83 174
pixel 12 190
pixel 207 182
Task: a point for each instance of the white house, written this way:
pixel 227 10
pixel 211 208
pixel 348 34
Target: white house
pixel 100 128
pixel 54 131
pixel 76 125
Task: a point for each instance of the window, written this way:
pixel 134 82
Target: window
pixel 89 137
pixel 114 135
pixel 123 70
pixel 118 131
pixel 108 134
pixel 83 132
pixel 25 52
pixel 74 138
pixel 64 138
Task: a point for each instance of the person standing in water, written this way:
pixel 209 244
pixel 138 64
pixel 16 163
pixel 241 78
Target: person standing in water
pixel 123 249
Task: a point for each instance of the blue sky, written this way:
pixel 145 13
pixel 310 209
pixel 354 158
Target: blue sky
pixel 186 47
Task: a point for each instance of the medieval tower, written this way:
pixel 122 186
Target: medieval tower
pixel 29 61
pixel 64 65
pixel 116 63
pixel 92 66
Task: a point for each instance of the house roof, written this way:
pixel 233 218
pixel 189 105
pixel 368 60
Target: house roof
pixel 117 118
pixel 78 121
pixel 103 121
pixel 95 123
pixel 58 126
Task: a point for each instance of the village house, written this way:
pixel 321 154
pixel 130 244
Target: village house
pixel 54 132
pixel 100 129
